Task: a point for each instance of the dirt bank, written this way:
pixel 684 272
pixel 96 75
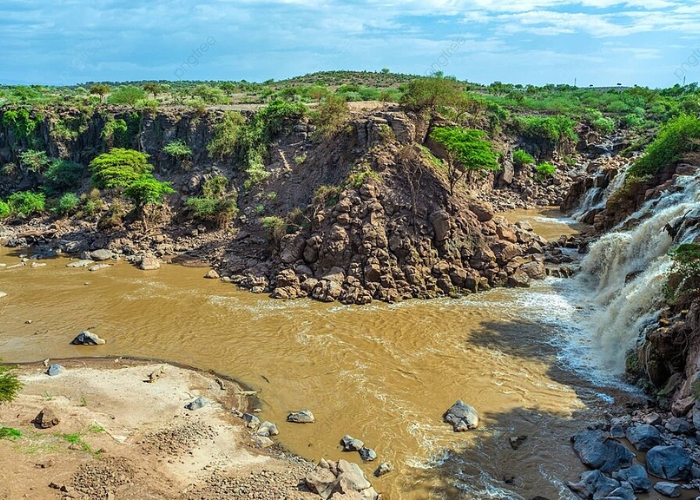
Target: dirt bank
pixel 122 437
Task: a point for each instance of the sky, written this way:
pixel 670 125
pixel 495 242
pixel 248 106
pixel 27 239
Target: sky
pixel 653 43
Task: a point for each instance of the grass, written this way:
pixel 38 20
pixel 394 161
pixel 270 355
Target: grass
pixel 10 433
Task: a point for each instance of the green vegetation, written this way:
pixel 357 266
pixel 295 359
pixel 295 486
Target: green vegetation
pixel 67 204
pixel 119 168
pixel 100 89
pixel 330 115
pixel 467 151
pixel 683 283
pixel 275 227
pixel 26 203
pixel 676 138
pixel 146 190
pixel 127 94
pixel 10 433
pixel 327 195
pixel 10 386
pixel 34 161
pixel 554 132
pixel 5 210
pixel 521 158
pixel 216 205
pixel 177 149
pixel 62 176
pixel 24 126
pixel 544 170
pixel 227 133
pixel 429 93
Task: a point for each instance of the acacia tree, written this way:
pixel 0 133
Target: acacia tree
pixel 152 88
pixel 467 151
pixel 119 168
pixel 100 89
pixel 147 191
pixel 431 92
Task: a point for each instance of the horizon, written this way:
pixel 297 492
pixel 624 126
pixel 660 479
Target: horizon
pixel 654 43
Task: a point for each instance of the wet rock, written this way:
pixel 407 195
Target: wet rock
pixel 669 462
pixel 3 294
pixel 74 246
pixel 517 442
pixel 593 484
pixel 99 267
pixel 81 263
pixel 677 425
pixel 462 416
pixel 636 476
pixel 368 454
pixel 100 255
pixel 212 275
pixel 668 489
pixel 198 404
pixel 617 432
pixel 681 407
pixel 47 418
pixel 252 422
pixel 267 429
pixel 622 492
pixel 149 264
pixel 301 417
pixel 643 437
pixel 597 452
pixel 351 444
pixel 87 338
pixel 54 370
pixel 383 469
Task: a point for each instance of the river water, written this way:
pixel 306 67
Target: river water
pixel 382 373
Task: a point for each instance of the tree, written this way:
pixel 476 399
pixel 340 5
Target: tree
pixel 100 89
pixel 385 71
pixel 467 151
pixel 330 115
pixel 152 88
pixel 9 384
pixel 145 191
pixel 127 94
pixel 431 92
pixel 119 168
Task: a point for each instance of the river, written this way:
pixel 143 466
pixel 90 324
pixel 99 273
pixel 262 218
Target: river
pixel 384 373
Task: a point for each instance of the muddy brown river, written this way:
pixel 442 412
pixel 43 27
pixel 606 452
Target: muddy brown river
pixel 381 373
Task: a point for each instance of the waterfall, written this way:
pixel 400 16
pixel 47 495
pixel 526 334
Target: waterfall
pixel 597 197
pixel 624 272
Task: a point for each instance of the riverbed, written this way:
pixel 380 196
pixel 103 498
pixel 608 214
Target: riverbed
pixel 383 373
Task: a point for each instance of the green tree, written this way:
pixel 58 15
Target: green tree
pixel 26 203
pixel 676 138
pixel 100 89
pixel 63 175
pixel 35 161
pixel 467 151
pixel 521 158
pixel 5 210
pixel 152 88
pixel 119 168
pixel 147 190
pixel 431 92
pixel 127 94
pixel 9 384
pixel 227 134
pixel 330 115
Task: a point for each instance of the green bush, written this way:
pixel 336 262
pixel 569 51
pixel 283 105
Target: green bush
pixel 677 137
pixel 4 210
pixel 26 203
pixel 119 168
pixel 327 195
pixel 10 433
pixel 558 131
pixel 147 190
pixel 544 170
pixel 521 158
pixel 430 92
pixel 276 228
pixel 63 175
pixel 9 385
pixel 220 210
pixel 330 115
pixel 67 204
pixel 127 94
pixel 226 135
pixel 35 161
pixel 177 149
pixel 683 282
pixel 215 187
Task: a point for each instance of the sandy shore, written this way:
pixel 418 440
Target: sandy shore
pixel 120 437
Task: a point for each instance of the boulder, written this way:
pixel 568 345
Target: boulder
pixel 441 225
pixel 55 370
pixel 321 481
pixel 149 264
pixel 622 492
pixel 462 416
pixel 643 437
pixel 597 452
pixel 368 454
pixel 198 403
pixel 593 484
pixel 87 338
pixel 46 419
pixel 668 489
pixel 251 421
pixel 100 255
pixel 262 442
pixel 636 476
pixel 676 425
pixel 669 462
pixel 99 267
pixel 81 263
pixel 212 275
pixel 383 469
pixel 301 417
pixel 267 429
pixel 351 444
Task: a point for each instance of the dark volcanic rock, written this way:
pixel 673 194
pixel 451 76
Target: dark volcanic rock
pixel 669 462
pixel 643 437
pixel 462 416
pixel 594 450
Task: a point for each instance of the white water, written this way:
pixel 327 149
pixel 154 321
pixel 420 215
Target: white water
pixel 623 274
pixel 597 197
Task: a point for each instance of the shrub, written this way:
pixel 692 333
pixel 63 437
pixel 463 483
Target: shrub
pixel 558 131
pixel 177 149
pixel 35 161
pixel 127 94
pixel 330 115
pixel 215 187
pixel 147 190
pixel 544 170
pixel 431 92
pixel 4 210
pixel 521 158
pixel 119 168
pixel 63 175
pixel 676 138
pixel 327 195
pixel 221 211
pixel 9 385
pixel 227 135
pixel 275 227
pixel 26 203
pixel 683 283
pixel 67 204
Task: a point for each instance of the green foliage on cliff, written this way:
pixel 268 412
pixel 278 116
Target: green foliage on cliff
pixel 544 170
pixel 146 190
pixel 330 115
pixel 127 94
pixel 217 204
pixel 26 203
pixel 431 92
pixel 676 138
pixel 227 134
pixel 24 127
pixel 177 149
pixel 683 283
pixel 521 158
pixel 62 176
pixel 4 210
pixel 10 386
pixel 34 161
pixel 119 168
pixel 558 131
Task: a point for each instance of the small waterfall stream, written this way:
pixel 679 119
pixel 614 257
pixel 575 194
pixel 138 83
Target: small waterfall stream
pixel 597 197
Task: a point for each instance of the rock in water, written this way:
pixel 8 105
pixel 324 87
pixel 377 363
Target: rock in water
pixel 149 264
pixel 462 416
pixel 643 437
pixel 198 404
pixel 368 454
pixel 597 452
pixel 3 294
pixel 212 275
pixel 593 484
pixel 301 417
pixel 669 462
pixel 103 254
pixel 54 370
pixel 87 338
pixel 81 263
pixel 668 489
pixel 383 469
pixel 351 444
pixel 636 476
pixel 47 418
pixel 267 429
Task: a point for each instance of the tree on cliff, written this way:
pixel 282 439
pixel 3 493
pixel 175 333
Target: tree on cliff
pixel 147 191
pixel 119 168
pixel 152 88
pixel 330 115
pixel 467 151
pixel 432 92
pixel 100 89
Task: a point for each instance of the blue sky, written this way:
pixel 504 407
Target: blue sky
pixel 600 42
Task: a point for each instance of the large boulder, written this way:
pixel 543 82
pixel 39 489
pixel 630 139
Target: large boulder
pixel 46 419
pixel 87 338
pixel 100 255
pixel 301 417
pixel 643 437
pixel 636 476
pixel 669 462
pixel 593 484
pixel 597 452
pixel 668 489
pixel 462 416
